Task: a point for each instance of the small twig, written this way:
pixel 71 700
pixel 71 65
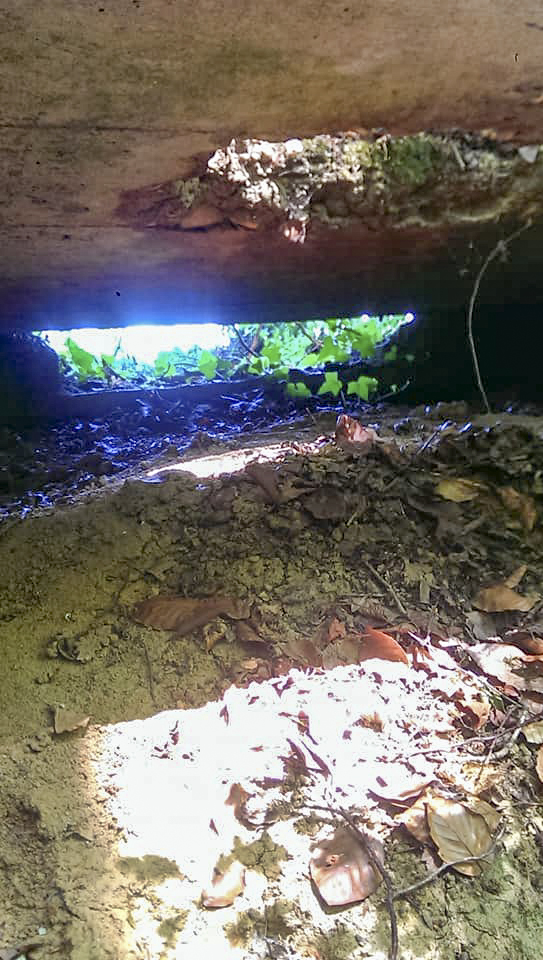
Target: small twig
pixel 429 440
pixel 500 248
pixel 391 894
pixel 378 866
pixel 492 753
pixel 400 894
pixel 463 744
pixel 313 342
pixel 149 673
pixel 388 586
pixel 243 342
pixel 392 393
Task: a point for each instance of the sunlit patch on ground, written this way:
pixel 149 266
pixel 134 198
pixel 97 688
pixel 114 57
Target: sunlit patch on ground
pixel 233 461
pixel 239 778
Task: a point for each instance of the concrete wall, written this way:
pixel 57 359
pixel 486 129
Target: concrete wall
pixel 101 97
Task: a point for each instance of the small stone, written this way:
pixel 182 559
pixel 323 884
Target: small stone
pixel 529 152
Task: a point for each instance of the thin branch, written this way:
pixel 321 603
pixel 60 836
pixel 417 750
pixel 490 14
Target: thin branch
pixel 244 344
pixel 313 342
pixel 500 248
pixel 384 583
pixel 400 894
pixel 377 866
pixel 391 894
pixel 149 673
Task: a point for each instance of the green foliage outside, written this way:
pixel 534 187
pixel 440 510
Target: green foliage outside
pixel 254 350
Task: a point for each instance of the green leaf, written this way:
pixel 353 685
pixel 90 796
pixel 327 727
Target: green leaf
pixel 272 352
pixel 332 384
pixel 207 364
pixel 361 387
pixel 85 363
pixel 364 342
pixel 280 373
pixel 259 365
pixel 310 360
pixel 298 390
pixel 328 351
pixel 164 365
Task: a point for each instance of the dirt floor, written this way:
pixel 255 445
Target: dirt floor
pixel 253 692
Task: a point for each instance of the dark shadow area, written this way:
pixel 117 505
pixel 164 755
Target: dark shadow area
pixel 52 443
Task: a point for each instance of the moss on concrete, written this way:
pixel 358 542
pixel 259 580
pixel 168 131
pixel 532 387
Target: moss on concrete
pixel 263 855
pixel 170 928
pixel 424 179
pixel 189 190
pixel 275 923
pixel 413 161
pixel 339 944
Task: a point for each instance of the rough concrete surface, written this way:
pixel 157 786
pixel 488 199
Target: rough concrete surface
pixel 101 98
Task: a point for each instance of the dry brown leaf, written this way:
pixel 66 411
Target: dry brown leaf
pixel 250 664
pixel 303 650
pixel 265 474
pixel 351 433
pixel 377 643
pixel 225 886
pixel 458 490
pixel 184 614
pixel 474 707
pixel 65 721
pixel 335 629
pixel 485 810
pixel 373 721
pixel 510 665
pixel 501 598
pixel 521 504
pixel 398 784
pixel 247 635
pixel 539 764
pixel 514 578
pixel 237 798
pixel 414 818
pixel 329 503
pixel 458 833
pixel 533 732
pixel 341 870
pixel 526 640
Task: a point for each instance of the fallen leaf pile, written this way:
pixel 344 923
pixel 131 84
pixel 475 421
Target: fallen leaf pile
pixel 503 597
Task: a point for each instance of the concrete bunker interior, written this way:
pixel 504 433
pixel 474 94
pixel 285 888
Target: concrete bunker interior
pixel 270 647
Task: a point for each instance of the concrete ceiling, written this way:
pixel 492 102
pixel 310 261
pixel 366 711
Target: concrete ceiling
pixel 101 98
